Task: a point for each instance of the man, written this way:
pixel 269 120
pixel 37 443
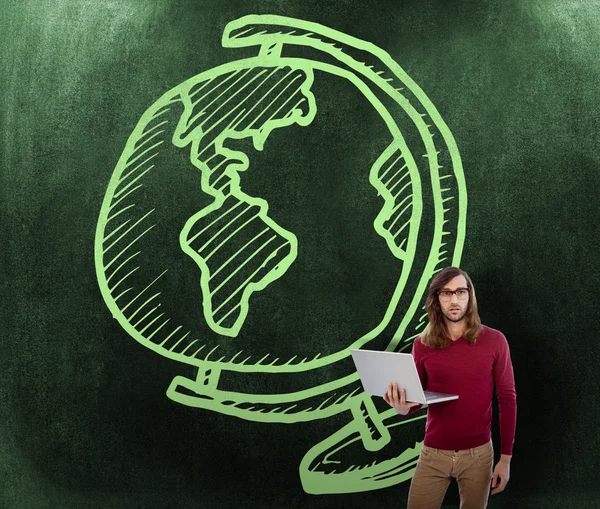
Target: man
pixel 456 354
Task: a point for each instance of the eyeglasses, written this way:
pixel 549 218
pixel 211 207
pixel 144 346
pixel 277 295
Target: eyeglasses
pixel 461 293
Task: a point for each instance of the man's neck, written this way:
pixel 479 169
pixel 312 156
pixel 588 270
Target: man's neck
pixel 456 329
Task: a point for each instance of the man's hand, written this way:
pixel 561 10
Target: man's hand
pixel 501 475
pixel 398 400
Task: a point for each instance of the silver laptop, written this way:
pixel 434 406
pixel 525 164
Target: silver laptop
pixel 378 369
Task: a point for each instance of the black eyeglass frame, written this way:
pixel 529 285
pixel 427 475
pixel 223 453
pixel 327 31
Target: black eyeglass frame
pixel 454 292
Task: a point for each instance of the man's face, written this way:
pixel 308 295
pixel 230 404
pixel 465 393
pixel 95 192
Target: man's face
pixel 454 309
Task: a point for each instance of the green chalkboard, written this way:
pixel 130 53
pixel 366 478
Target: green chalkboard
pixel 393 138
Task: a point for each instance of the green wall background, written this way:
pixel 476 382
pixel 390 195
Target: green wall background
pixel 84 421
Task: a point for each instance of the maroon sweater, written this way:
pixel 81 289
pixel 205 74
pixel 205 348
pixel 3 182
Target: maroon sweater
pixel 471 371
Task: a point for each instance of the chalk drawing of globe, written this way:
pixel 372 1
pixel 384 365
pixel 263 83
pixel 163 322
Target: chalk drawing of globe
pixel 271 213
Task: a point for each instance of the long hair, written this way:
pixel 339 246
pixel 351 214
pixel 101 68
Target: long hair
pixel 436 333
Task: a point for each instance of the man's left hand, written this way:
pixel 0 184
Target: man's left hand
pixel 501 476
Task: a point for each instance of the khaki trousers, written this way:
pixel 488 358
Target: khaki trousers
pixel 472 469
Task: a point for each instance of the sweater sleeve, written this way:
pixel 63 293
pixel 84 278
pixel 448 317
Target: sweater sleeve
pixel 416 350
pixel 417 353
pixel 504 381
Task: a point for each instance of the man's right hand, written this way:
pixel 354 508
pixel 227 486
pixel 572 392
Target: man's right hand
pixel 397 399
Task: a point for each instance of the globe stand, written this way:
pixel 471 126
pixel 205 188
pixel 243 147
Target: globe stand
pixel 324 469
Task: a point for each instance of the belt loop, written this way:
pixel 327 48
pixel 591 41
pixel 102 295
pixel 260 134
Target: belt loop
pixel 472 452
